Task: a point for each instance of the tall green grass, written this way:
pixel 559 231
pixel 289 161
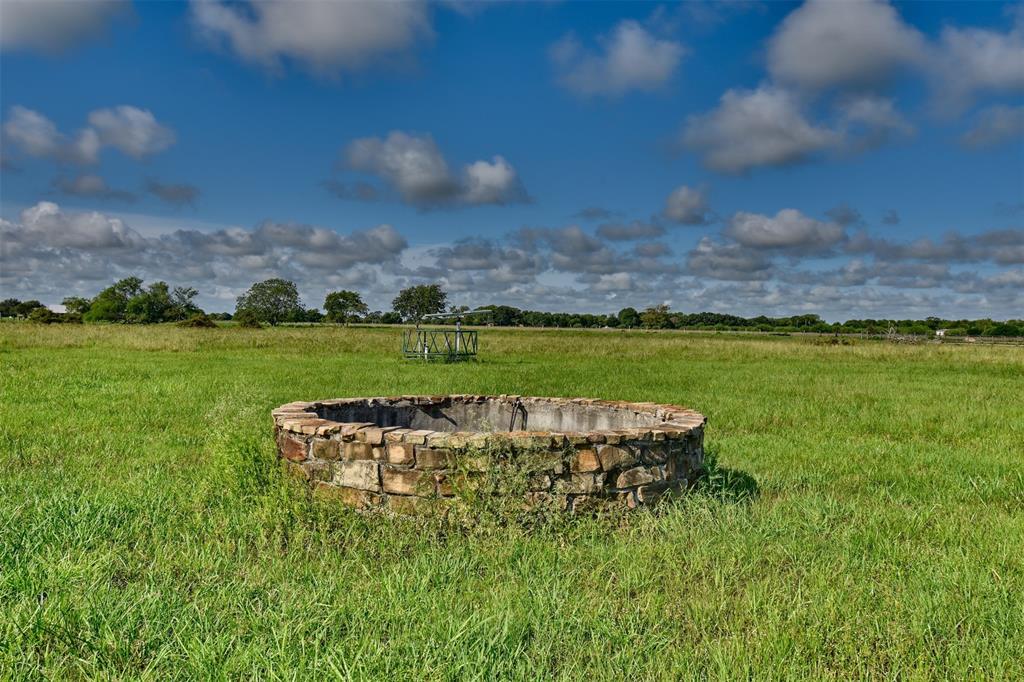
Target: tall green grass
pixel 864 517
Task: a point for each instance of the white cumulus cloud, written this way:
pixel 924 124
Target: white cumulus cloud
pixel 750 128
pixel 688 206
pixel 323 36
pixel 630 58
pixel 854 43
pixel 416 168
pixel 55 26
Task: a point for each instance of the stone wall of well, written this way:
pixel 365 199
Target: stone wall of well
pixel 366 465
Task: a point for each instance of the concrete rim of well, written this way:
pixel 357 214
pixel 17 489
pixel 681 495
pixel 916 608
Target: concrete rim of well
pixel 671 422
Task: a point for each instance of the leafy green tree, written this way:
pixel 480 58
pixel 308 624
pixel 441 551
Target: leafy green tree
pixel 76 304
pixel 111 304
pixel 415 302
pixel 247 319
pixel 25 308
pixel 1004 329
pixel 342 306
pixel 272 301
pixel 629 317
pixel 43 315
pixel 182 307
pixel 150 306
pixel 9 307
pixel 656 317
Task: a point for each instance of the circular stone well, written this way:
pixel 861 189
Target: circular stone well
pixel 403 452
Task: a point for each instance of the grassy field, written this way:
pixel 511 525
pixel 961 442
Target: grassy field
pixel 866 517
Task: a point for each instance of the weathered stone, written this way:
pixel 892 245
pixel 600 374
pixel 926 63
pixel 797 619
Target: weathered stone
pixel 355 450
pixel 407 481
pixel 454 483
pixel 291 447
pixel 353 497
pixel 400 453
pixel 584 460
pixel 396 436
pixel 615 457
pixel 641 452
pixel 475 463
pixel 655 454
pixel 538 482
pixel 433 458
pixel 326 449
pixel 318 471
pixel 579 484
pixel 417 437
pixel 408 506
pixel 358 474
pixel 582 504
pixel 640 475
pixel 649 494
pixel 374 435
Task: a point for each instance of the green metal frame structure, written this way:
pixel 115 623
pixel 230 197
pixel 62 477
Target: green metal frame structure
pixel 448 345
pixel 444 344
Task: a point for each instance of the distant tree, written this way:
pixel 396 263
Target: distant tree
pixel 1004 329
pixel 149 306
pixel 391 318
pixel 629 317
pixel 182 306
pixel 655 317
pixel 25 308
pixel 76 304
pixel 198 321
pixel 111 304
pixel 9 307
pixel 43 315
pixel 247 319
pixel 272 301
pixel 342 306
pixel 415 302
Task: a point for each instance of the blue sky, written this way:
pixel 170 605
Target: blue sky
pixel 851 159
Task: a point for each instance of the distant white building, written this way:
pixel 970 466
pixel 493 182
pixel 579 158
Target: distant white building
pixel 940 332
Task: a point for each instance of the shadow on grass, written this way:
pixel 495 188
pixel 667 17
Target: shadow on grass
pixel 724 484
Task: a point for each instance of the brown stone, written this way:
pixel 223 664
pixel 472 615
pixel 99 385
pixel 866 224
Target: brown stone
pixel 648 494
pixel 291 448
pixel 358 474
pixel 374 435
pixel 353 497
pixel 400 453
pixel 357 451
pixel 451 484
pixel 477 463
pixel 317 471
pixel 584 460
pixel 655 453
pixel 614 457
pixel 326 449
pixel 539 482
pixel 433 458
pixel 407 481
pixel 640 475
pixel 579 484
pixel 408 506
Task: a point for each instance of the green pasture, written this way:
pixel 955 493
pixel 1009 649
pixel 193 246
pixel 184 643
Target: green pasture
pixel 864 517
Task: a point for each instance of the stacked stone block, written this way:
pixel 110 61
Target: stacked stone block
pixel 368 466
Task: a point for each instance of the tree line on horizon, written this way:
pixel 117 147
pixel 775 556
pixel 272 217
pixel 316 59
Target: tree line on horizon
pixel 276 301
